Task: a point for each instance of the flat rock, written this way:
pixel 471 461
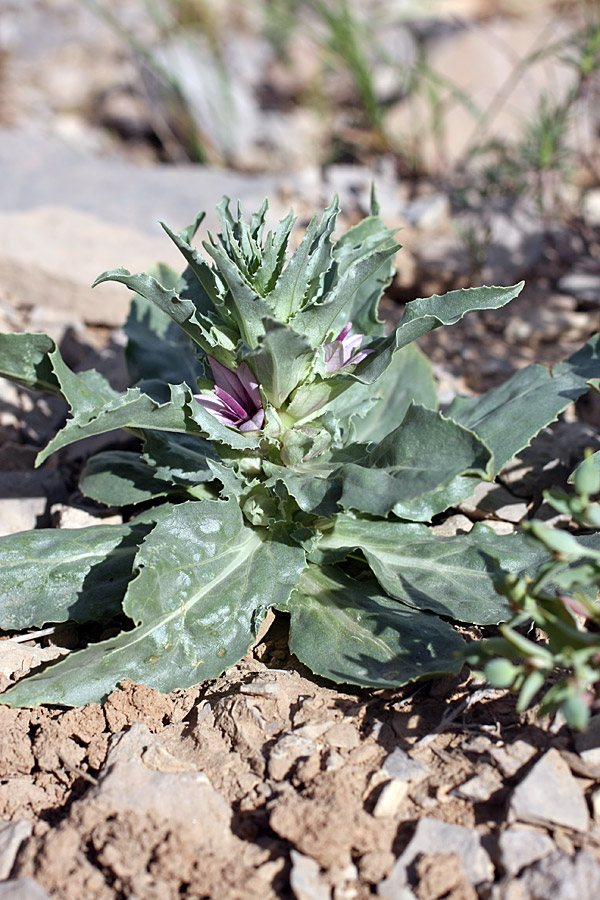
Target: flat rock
pixel 305 878
pixel 512 757
pixel 481 787
pixel 343 736
pixel 22 889
pixel 519 847
pixel 12 835
pixel 561 877
pixel 401 767
pixel 390 799
pixel 490 499
pixel 584 286
pixel 435 836
pixel 587 743
pixel 550 795
pixel 24 498
pixel 287 751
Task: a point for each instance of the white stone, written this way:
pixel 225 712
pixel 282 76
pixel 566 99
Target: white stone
pixel 305 878
pixel 550 795
pixel 390 799
pixel 519 847
pixel 435 836
pixel 12 835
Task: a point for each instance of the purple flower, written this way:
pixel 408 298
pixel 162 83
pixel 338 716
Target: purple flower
pixel 235 399
pixel 344 350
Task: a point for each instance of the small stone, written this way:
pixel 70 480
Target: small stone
pixel 305 878
pixel 452 526
pixel 590 206
pixel 492 499
pixel 287 751
pixel 12 835
pixel 481 787
pixel 333 761
pixel 64 516
pixel 587 743
pixel 22 889
pixel 520 847
pixel 560 877
pixel 441 875
pixel 428 213
pixel 401 767
pixel 261 688
pixel 17 658
pixel 512 757
pixel 390 799
pixel 595 798
pixel 550 795
pixel 344 736
pixel 435 836
pixel 500 527
pixel 584 286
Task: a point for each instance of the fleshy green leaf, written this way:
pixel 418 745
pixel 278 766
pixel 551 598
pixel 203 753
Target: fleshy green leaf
pixel 204 585
pixel 350 631
pixel 365 237
pixel 509 416
pixel 424 454
pixel 317 319
pixel 122 478
pixel 179 458
pixel 451 576
pixel 52 575
pixel 281 359
pixel 304 272
pixel 408 379
pixel 25 358
pixel 424 315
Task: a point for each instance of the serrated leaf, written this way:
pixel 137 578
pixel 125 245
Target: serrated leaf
pixel 316 320
pixel 53 575
pixel 509 416
pixel 205 583
pixel 246 306
pixel 281 359
pixel 408 379
pixel 351 632
pixel 368 235
pixel 179 458
pixel 424 454
pixel 450 576
pixel 122 478
pixel 25 359
pixel 156 347
pixel 424 315
pixel 304 273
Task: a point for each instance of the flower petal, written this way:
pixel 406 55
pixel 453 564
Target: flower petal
pixel 227 380
pixel 250 384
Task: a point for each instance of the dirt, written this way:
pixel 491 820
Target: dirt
pixel 206 792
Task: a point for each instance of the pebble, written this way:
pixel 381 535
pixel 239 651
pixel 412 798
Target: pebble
pixel 64 516
pixel 452 526
pixel 561 877
pixel 590 206
pixel 584 286
pixel 286 752
pixel 587 743
pixel 428 213
pixel 481 787
pixel 512 757
pixel 12 835
pixel 520 847
pixel 401 767
pixel 25 498
pixel 435 836
pixel 22 889
pixel 305 878
pixel 343 735
pixel 492 499
pixel 550 795
pixel 390 799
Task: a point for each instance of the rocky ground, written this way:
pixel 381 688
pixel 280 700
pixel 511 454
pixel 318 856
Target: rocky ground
pixel 269 782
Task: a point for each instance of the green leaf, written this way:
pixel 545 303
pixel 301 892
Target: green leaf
pixel 451 576
pixel 26 359
pixel 509 416
pixel 316 320
pixel 205 583
pixel 179 458
pixel 156 347
pixel 425 453
pixel 246 306
pixel 408 379
pixel 53 575
pixel 424 315
pixel 365 237
pixel 122 478
pixel 351 632
pixel 281 359
pixel 94 413
pixel 304 273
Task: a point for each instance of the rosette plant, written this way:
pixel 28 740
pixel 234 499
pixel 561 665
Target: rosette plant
pixel 291 454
